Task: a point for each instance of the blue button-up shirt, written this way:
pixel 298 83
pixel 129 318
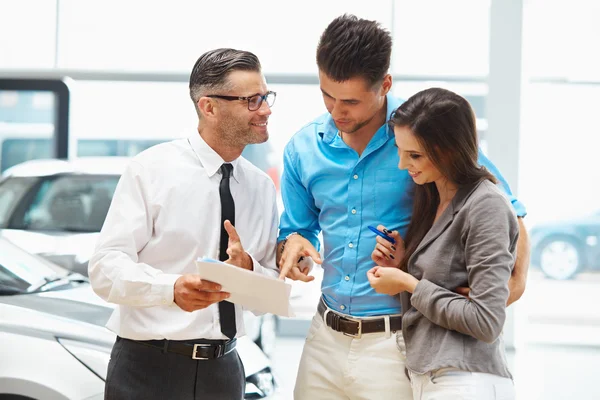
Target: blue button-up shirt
pixel 327 187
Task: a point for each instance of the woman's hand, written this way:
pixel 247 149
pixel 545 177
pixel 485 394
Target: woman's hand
pixel 391 281
pixel 385 253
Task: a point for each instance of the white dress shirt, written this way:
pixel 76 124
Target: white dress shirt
pixel 166 212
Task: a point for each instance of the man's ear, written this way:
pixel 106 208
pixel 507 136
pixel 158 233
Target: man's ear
pixel 206 107
pixel 386 86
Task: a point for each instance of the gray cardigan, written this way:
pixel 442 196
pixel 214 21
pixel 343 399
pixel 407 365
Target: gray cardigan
pixel 473 243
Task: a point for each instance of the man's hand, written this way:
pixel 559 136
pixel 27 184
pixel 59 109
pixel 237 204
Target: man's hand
pixel 464 291
pixel 385 253
pixel 516 287
pixel 296 247
pixel 192 293
pixel 235 250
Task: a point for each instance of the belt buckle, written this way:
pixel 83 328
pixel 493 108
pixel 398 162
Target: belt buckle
pixel 358 334
pixel 195 351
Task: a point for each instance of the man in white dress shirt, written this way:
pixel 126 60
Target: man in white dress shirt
pixel 176 202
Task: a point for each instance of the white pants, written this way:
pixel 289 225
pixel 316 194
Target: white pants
pixel 335 366
pixel 455 384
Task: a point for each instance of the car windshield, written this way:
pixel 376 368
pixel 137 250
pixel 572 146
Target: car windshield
pixel 68 202
pixel 11 191
pixel 20 270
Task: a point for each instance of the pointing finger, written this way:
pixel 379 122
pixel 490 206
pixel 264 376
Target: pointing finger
pixel 233 235
pixel 285 268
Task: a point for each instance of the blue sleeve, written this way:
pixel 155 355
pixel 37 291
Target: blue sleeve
pixel 300 213
pixel 517 205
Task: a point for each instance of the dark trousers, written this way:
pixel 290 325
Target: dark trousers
pixel 139 372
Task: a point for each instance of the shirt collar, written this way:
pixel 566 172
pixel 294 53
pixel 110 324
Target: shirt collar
pixel 329 132
pixel 210 159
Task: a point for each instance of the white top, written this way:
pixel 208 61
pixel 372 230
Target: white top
pixel 166 212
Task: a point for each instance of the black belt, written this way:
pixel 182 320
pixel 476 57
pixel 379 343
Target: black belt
pixel 356 327
pixel 198 350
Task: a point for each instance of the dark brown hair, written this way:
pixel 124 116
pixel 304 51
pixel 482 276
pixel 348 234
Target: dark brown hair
pixel 444 124
pixel 351 47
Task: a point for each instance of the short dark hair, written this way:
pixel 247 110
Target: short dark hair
pixel 352 47
pixel 212 68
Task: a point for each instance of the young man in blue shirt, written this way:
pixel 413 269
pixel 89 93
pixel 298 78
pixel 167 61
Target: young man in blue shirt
pixel 340 176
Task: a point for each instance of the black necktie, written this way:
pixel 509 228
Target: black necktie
pixel 226 309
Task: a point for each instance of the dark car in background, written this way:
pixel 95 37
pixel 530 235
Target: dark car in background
pixel 564 249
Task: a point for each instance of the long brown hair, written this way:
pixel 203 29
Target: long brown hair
pixel 444 124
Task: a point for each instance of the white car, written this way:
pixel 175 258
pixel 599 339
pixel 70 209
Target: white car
pixel 52 337
pixel 56 208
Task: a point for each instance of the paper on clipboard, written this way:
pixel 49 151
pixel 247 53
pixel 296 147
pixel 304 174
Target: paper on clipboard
pixel 249 289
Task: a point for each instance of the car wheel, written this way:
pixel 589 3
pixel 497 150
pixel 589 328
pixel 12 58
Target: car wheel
pixel 268 334
pixel 560 257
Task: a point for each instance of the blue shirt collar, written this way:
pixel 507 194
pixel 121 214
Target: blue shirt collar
pixel 329 132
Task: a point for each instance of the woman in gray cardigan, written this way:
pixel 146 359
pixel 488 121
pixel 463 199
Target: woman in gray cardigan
pixel 463 233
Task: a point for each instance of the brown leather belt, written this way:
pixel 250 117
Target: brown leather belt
pixel 356 327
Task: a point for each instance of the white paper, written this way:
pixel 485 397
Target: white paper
pixel 249 289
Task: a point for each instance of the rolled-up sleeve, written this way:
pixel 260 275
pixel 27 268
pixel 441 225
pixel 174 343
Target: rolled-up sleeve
pixel 114 270
pixel 503 184
pixel 300 213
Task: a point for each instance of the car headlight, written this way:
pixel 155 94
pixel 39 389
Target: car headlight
pixel 94 357
pixel 260 385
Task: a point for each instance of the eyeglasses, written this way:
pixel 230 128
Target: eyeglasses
pixel 254 102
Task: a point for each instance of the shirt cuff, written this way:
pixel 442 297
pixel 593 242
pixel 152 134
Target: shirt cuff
pixel 163 289
pixel 519 208
pixel 312 237
pixel 256 267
